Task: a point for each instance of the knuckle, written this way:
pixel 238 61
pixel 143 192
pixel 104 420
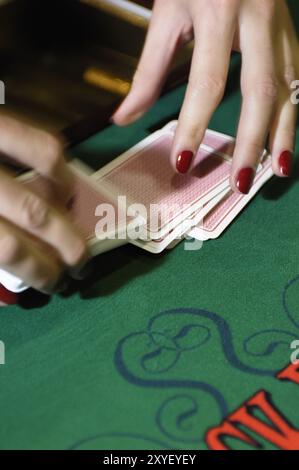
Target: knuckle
pixel 214 85
pixel 34 211
pixel 272 89
pixel 266 88
pixel 9 249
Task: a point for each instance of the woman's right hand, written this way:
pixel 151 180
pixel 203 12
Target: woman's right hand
pixel 37 242
pixel 264 34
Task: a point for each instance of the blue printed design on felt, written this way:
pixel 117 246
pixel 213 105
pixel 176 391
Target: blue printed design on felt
pixel 157 350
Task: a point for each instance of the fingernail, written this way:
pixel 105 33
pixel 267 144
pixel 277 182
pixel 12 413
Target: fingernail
pixel 245 179
pixel 285 163
pixel 184 161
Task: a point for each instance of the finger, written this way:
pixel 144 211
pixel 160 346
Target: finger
pixel 206 82
pixel 21 257
pixel 166 31
pixel 282 136
pixel 36 149
pixel 283 130
pixel 22 207
pixel 260 90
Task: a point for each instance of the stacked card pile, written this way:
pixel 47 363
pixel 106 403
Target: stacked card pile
pixel 199 205
pixel 139 199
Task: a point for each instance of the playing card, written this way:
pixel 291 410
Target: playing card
pixel 212 219
pixel 224 146
pixel 101 219
pixel 177 234
pixel 220 217
pixel 145 176
pixel 138 198
pixel 221 144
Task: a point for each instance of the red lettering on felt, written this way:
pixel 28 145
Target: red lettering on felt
pixel 214 437
pixel 281 433
pixel 291 373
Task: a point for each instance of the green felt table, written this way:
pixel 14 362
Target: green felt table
pixel 150 352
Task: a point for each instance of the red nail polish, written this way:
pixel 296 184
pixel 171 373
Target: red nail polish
pixel 245 179
pixel 285 163
pixel 184 161
pixel 8 297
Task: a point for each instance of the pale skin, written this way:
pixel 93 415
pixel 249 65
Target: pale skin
pixel 262 31
pixel 38 243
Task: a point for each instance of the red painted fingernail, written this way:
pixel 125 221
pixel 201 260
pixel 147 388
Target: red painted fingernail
pixel 285 163
pixel 8 297
pixel 245 179
pixel 184 161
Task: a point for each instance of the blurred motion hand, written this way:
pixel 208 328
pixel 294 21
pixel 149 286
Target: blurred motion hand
pixel 37 242
pixel 263 32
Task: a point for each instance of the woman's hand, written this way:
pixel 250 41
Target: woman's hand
pixel 263 32
pixel 37 242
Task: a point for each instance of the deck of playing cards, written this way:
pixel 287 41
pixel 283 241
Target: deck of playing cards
pixel 139 199
pixel 199 205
